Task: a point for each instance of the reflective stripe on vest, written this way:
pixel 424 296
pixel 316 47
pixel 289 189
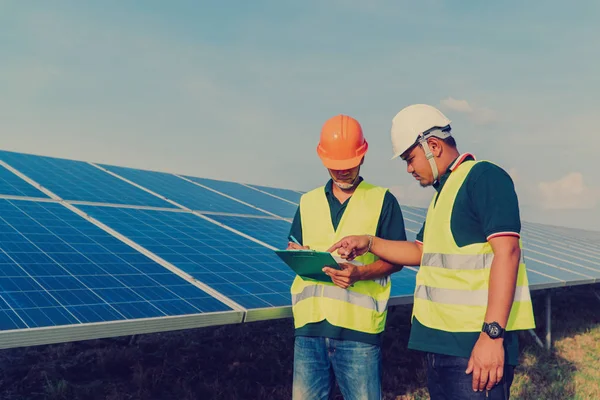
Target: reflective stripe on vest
pixel 460 261
pixel 461 297
pixel 363 306
pixel 452 285
pixel 337 293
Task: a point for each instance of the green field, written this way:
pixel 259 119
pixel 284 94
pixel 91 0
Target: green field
pixel 254 361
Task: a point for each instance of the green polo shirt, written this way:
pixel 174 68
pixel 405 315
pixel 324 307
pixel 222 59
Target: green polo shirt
pixel 390 226
pixel 486 205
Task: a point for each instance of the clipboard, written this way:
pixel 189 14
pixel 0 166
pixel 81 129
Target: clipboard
pixel 309 263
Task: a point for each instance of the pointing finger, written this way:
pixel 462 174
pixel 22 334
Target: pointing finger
pixel 335 246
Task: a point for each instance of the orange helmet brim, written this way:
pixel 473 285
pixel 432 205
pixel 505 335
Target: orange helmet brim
pixel 342 164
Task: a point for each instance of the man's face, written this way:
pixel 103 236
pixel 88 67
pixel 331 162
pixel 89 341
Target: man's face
pixel 418 166
pixel 344 178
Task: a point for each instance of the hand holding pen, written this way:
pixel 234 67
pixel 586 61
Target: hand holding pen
pixel 293 244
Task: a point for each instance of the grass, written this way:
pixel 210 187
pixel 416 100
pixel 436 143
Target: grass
pixel 572 370
pixel 254 361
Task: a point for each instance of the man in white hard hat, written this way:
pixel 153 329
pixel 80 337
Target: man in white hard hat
pixel 472 292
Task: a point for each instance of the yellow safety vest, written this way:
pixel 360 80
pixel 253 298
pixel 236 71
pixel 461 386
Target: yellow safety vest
pixel 362 307
pixel 451 292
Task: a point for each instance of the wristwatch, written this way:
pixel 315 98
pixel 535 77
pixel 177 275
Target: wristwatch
pixel 493 330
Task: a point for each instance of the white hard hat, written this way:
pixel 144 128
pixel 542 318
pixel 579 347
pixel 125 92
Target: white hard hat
pixel 416 123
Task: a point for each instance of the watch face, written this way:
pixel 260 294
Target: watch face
pixel 493 330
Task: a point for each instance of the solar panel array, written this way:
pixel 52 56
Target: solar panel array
pixel 90 250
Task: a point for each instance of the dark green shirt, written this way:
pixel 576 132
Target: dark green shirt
pixel 486 206
pixel 390 226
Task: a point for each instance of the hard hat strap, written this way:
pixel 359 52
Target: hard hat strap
pixel 430 158
pixel 443 134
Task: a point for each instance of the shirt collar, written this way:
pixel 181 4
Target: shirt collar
pixel 329 186
pixel 459 160
pixel 455 164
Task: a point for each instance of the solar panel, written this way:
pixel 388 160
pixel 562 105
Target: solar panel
pixel 577 237
pixel 419 211
pixel 12 185
pixel 77 180
pixel 63 278
pixel 403 286
pixel 59 270
pixel 255 197
pixel 247 272
pixel 184 192
pixel 287 194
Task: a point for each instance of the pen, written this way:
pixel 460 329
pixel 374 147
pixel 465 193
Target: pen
pixel 293 239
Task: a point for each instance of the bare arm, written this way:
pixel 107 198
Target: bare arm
pixel 487 358
pixel 503 278
pixel 378 269
pixel 397 252
pixel 394 251
pixel 351 273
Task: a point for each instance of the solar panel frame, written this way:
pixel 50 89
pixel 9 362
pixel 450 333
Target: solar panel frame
pixel 72 333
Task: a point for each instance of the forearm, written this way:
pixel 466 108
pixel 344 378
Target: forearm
pixel 503 278
pixel 397 252
pixel 378 269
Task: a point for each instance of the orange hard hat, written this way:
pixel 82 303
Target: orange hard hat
pixel 342 144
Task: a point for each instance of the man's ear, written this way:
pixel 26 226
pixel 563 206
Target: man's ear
pixel 435 145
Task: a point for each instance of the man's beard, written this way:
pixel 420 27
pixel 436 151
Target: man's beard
pixel 346 186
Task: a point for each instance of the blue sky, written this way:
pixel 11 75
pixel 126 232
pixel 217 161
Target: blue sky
pixel 238 90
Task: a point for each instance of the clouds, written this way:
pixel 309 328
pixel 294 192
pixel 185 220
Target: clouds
pixel 452 104
pixel 241 94
pixel 569 201
pixel 478 115
pixel 568 192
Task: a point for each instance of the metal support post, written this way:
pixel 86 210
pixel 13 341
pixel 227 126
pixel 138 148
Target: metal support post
pixel 536 338
pixel 548 320
pixel 548 344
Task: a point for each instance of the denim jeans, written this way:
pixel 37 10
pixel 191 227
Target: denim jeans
pixel 319 361
pixel 447 380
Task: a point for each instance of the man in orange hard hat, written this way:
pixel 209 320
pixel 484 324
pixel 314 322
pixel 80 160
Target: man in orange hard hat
pixel 338 324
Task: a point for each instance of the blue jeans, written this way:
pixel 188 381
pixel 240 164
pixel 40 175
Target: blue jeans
pixel 446 380
pixel 319 361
